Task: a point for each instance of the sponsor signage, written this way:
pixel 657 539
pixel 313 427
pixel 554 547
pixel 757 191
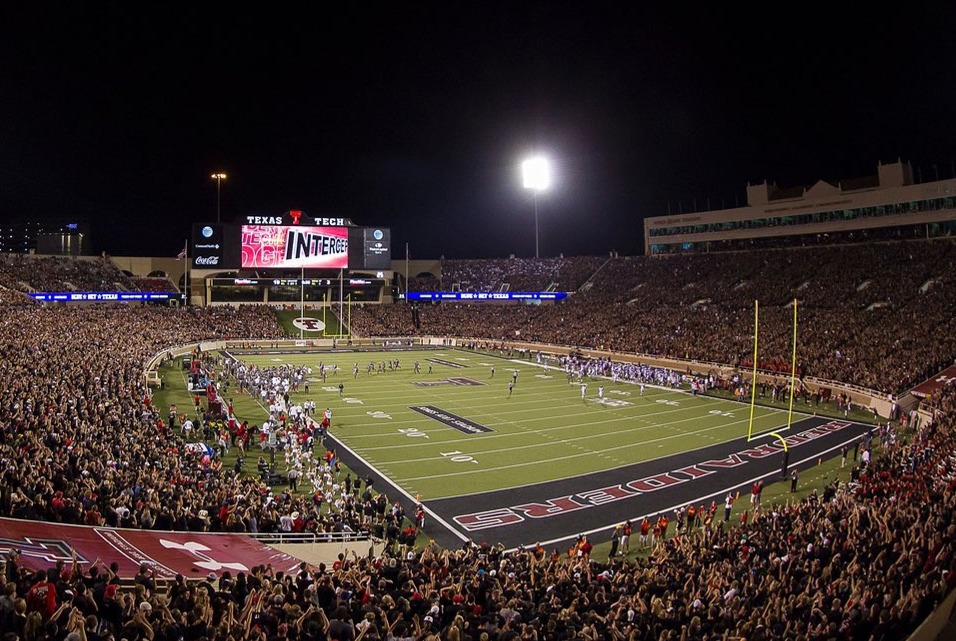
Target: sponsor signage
pixel 377 245
pixel 209 247
pixel 281 282
pixel 497 296
pixel 76 297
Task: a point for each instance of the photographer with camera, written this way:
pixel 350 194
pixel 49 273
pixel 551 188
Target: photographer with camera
pixel 10 565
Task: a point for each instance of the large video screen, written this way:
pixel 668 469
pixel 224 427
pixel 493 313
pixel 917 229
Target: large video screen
pixel 268 246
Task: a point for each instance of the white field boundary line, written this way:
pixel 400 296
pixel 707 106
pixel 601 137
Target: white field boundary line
pixel 392 390
pixel 481 409
pixel 549 461
pixel 569 442
pixel 548 433
pixel 466 538
pixel 669 389
pixel 649 422
pixel 387 479
pixel 606 452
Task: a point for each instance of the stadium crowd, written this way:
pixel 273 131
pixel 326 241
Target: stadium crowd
pixel 867 560
pixel 80 442
pixel 864 311
pixel 153 284
pixel 26 272
pixel 518 274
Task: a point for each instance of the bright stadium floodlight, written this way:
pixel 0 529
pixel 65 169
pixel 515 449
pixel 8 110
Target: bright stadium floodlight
pixel 537 177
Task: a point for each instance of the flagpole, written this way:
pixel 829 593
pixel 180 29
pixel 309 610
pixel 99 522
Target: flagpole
pixel 406 270
pixel 186 258
pixel 301 299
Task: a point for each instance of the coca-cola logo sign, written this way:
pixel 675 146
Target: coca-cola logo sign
pixel 207 260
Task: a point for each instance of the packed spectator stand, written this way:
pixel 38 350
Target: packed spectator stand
pixel 27 272
pixel 153 284
pixel 865 311
pixel 864 560
pixel 519 274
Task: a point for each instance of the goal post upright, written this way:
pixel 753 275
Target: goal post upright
pixel 793 374
pixel 793 366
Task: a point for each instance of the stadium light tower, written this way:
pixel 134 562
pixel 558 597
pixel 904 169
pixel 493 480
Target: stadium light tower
pixel 218 177
pixel 537 178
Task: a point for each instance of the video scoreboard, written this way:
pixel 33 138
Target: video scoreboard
pixel 290 241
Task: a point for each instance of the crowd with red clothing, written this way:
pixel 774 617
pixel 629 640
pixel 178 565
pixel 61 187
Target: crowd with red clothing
pixel 862 560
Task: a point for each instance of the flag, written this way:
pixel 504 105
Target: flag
pixel 200 448
pixel 182 253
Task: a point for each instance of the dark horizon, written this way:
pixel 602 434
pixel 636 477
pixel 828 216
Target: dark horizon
pixel 416 118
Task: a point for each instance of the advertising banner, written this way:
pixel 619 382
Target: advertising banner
pixel 209 247
pixel 279 247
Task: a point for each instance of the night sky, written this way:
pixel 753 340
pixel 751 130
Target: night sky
pixel 416 115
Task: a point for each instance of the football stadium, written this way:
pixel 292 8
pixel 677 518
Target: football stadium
pixel 287 432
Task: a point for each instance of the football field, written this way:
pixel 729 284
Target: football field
pixel 469 425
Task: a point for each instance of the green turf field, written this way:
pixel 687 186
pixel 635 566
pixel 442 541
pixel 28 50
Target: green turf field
pixel 287 318
pixel 541 431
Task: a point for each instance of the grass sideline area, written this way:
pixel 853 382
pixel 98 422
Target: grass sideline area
pixel 328 317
